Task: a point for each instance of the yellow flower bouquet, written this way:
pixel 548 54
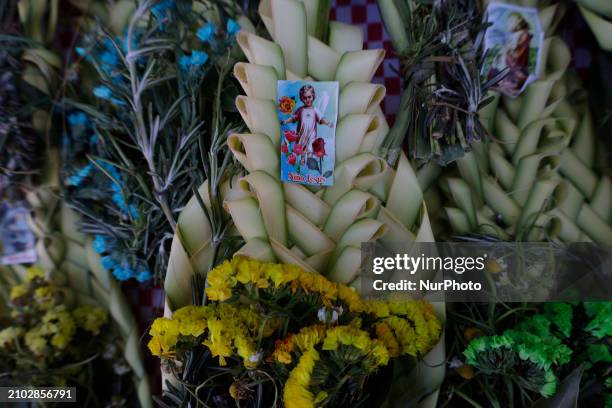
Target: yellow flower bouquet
pixel 275 332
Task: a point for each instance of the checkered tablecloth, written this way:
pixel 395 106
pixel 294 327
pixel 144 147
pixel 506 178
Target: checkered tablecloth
pixel 147 301
pixel 365 14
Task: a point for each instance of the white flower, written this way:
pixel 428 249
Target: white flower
pixel 256 358
pixel 329 315
pixel 455 362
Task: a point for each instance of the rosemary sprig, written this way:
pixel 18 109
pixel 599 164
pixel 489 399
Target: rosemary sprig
pixel 156 130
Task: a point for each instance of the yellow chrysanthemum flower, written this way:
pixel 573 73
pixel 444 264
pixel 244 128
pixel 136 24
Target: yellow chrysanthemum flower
pixel 352 299
pixel 282 356
pixel 60 340
pixel 192 319
pixel 385 334
pixel 296 393
pixel 33 273
pixel 309 337
pixel 59 323
pixel 35 341
pixel 218 342
pixel 405 335
pixel 156 347
pixel 346 335
pixel 10 336
pixel 291 272
pixel 166 334
pixel 18 291
pixel 43 293
pixel 245 348
pixel 221 280
pixel 378 308
pixel 380 354
pixel 250 271
pixel 222 275
pixel 90 318
pixel 218 293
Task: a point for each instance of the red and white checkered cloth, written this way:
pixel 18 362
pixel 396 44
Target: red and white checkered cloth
pixel 365 14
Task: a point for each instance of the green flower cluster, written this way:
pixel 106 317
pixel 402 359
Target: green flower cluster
pixel 558 339
pixel 529 353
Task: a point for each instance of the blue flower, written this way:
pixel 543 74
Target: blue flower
pixel 113 172
pixel 206 32
pixel 185 62
pixel 109 58
pixel 77 178
pixel 84 53
pixel 134 44
pixel 85 170
pixel 143 275
pixel 74 180
pixel 122 273
pixel 80 51
pixel 99 244
pixel 232 27
pixel 133 211
pixel 196 60
pixel 109 262
pixel 109 45
pixel 77 119
pixel 104 92
pixel 120 201
pixel 162 9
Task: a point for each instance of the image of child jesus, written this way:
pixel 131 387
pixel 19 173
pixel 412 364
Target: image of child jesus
pixel 307 118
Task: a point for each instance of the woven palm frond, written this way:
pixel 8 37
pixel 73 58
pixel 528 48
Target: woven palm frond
pixel 69 262
pixel 536 179
pixel 320 228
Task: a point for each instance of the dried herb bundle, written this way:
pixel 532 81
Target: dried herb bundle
pixel 440 46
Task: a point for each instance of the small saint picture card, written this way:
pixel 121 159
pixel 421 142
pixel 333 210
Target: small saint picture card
pixel 308 112
pixel 18 240
pixel 513 45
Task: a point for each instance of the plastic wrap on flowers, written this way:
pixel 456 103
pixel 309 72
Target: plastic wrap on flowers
pixel 65 257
